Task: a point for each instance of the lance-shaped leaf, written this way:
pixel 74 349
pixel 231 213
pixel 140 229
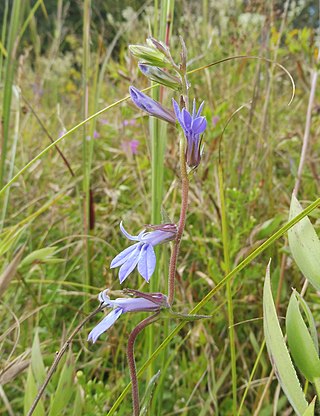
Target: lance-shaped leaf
pixel 304 245
pixel 301 344
pixel 278 351
pixel 310 409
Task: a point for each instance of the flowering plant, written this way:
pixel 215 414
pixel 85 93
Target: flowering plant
pixel 157 64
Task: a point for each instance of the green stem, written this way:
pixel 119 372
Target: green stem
pixel 85 142
pixel 254 369
pixel 226 254
pixel 213 291
pixel 10 67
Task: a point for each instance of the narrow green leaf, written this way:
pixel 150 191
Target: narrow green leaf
pixel 78 402
pixel 146 401
pixel 37 365
pixel 43 255
pixel 310 320
pixel 278 352
pixel 304 245
pixel 30 394
pixel 64 389
pixel 310 409
pixel 300 342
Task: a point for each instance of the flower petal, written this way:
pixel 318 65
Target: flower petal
pixel 200 109
pixel 123 256
pixel 186 117
pixel 129 236
pixel 194 108
pixel 147 262
pixel 130 263
pixel 105 324
pixel 199 125
pixel 177 110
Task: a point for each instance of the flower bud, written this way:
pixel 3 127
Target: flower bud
pixel 161 47
pixel 149 55
pixel 152 107
pixel 159 75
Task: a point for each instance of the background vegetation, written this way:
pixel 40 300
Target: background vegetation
pixel 64 60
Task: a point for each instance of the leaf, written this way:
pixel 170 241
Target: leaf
pixel 278 352
pixel 310 409
pixel 304 245
pixel 300 342
pixel 10 271
pixel 78 402
pixel 30 394
pixel 43 255
pixel 311 323
pixel 64 389
pixel 146 401
pixel 9 237
pixel 37 365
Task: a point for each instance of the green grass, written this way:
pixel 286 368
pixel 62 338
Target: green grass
pixel 78 80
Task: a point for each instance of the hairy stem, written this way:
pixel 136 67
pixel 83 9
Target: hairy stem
pixel 182 222
pixel 131 361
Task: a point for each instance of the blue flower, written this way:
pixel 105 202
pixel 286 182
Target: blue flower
pixel 193 126
pixel 152 107
pixel 142 253
pixel 146 302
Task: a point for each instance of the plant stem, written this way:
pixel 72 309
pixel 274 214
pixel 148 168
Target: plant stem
pixel 226 256
pixel 182 221
pixel 131 361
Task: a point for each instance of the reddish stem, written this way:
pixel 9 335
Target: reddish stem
pixel 181 225
pixel 131 361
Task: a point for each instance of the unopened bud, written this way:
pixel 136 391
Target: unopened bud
pixel 152 107
pixel 149 55
pixel 159 75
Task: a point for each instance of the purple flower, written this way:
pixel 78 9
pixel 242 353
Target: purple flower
pixel 193 126
pixel 146 302
pixel 152 107
pixel 142 253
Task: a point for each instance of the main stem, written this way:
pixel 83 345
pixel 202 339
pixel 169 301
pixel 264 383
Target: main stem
pixel 182 221
pixel 131 361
